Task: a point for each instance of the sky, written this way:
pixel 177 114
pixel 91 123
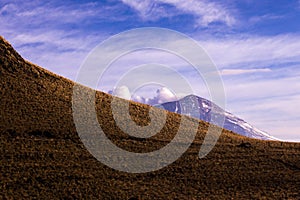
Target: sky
pixel 254 44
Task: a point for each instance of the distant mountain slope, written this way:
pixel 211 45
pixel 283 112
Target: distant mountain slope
pixel 201 108
pixel 42 156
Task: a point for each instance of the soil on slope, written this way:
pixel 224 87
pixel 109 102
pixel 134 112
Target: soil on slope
pixel 41 155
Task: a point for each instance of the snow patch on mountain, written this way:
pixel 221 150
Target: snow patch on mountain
pixel 206 110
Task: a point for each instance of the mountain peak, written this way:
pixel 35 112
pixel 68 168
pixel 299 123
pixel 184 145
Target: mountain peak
pixel 202 109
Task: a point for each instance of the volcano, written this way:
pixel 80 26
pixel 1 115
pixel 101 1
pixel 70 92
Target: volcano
pixel 201 108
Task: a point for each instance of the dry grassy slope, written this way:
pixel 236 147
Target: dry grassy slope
pixel 41 154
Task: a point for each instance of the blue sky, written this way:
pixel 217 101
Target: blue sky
pixel 255 45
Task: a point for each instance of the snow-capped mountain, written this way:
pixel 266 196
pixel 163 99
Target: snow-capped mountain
pixel 205 110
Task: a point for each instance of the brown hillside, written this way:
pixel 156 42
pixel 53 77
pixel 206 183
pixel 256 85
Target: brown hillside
pixel 41 155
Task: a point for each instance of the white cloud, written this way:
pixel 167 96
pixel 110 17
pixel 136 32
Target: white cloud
pixel 162 95
pixel 165 95
pixel 206 12
pixel 122 92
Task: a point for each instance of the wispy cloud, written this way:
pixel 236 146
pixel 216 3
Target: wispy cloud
pixel 264 100
pixel 51 34
pixel 263 18
pixel 225 72
pixel 204 11
pixel 58 50
pixel 55 14
pixel 251 51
